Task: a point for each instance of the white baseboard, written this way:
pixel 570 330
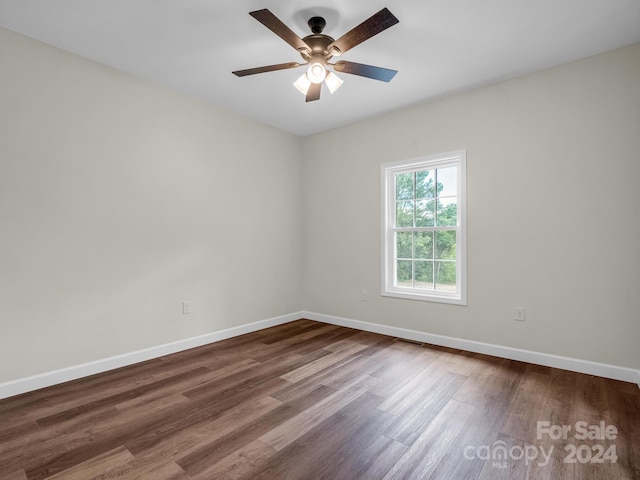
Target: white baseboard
pixel 47 379
pixel 573 364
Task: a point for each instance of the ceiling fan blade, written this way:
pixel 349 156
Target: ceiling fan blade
pixel 367 29
pixel 268 68
pixel 314 92
pixel 274 24
pixel 369 71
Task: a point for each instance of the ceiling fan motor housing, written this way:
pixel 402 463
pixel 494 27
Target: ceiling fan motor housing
pixel 318 42
pixel 317 24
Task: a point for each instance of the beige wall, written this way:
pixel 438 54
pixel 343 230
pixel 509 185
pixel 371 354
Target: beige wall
pixel 119 200
pixel 553 165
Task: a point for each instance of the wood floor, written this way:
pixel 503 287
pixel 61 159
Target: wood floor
pixel 311 401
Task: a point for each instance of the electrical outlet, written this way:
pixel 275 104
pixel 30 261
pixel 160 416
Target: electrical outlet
pixel 364 296
pixel 186 308
pixel 518 314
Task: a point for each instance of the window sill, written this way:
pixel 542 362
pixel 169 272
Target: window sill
pixel 453 299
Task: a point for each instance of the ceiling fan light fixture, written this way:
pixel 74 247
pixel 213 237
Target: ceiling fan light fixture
pixel 302 84
pixel 316 72
pixel 317 49
pixel 333 81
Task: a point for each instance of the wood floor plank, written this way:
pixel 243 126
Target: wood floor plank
pixel 310 401
pixel 397 364
pixel 425 454
pixel 64 451
pixel 326 452
pixel 322 363
pixel 48 443
pixel 161 401
pixel 115 399
pixel 305 346
pixel 17 475
pixel 525 410
pixel 409 426
pixel 340 375
pixel 139 470
pixel 196 415
pixel 191 438
pixel 479 430
pixel 95 466
pixel 165 471
pixel 289 431
pixel 294 331
pixel 351 435
pixel 590 394
pixel 147 430
pixel 377 459
pixel 458 361
pixel 306 334
pixel 211 451
pixel 507 467
pixel 413 390
pixel 239 463
pixel 624 414
pixel 344 372
pixel 17 430
pixel 247 379
pixel 485 380
pixel 66 396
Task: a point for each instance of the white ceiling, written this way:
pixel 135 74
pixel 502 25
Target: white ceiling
pixel 439 47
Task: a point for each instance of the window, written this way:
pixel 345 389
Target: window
pixel 424 229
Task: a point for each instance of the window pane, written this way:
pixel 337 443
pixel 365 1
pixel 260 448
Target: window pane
pixel 447 212
pixel 403 244
pixel 425 182
pixel 424 274
pixel 423 245
pixel 445 275
pixel 404 186
pixel 404 214
pixel 425 214
pixel 404 276
pixel 446 245
pixel 448 182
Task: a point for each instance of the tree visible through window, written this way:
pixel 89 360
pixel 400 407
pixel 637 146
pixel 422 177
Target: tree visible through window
pixel 423 229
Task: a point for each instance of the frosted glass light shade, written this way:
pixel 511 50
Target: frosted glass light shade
pixel 302 84
pixel 333 81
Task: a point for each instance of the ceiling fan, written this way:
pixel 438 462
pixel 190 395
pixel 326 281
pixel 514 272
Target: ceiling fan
pixel 317 49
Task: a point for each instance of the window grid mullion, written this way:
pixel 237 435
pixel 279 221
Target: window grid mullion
pixel 413 260
pixel 446 228
pixel 435 204
pixel 415 191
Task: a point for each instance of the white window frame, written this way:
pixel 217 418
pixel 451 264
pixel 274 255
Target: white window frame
pixel 389 171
